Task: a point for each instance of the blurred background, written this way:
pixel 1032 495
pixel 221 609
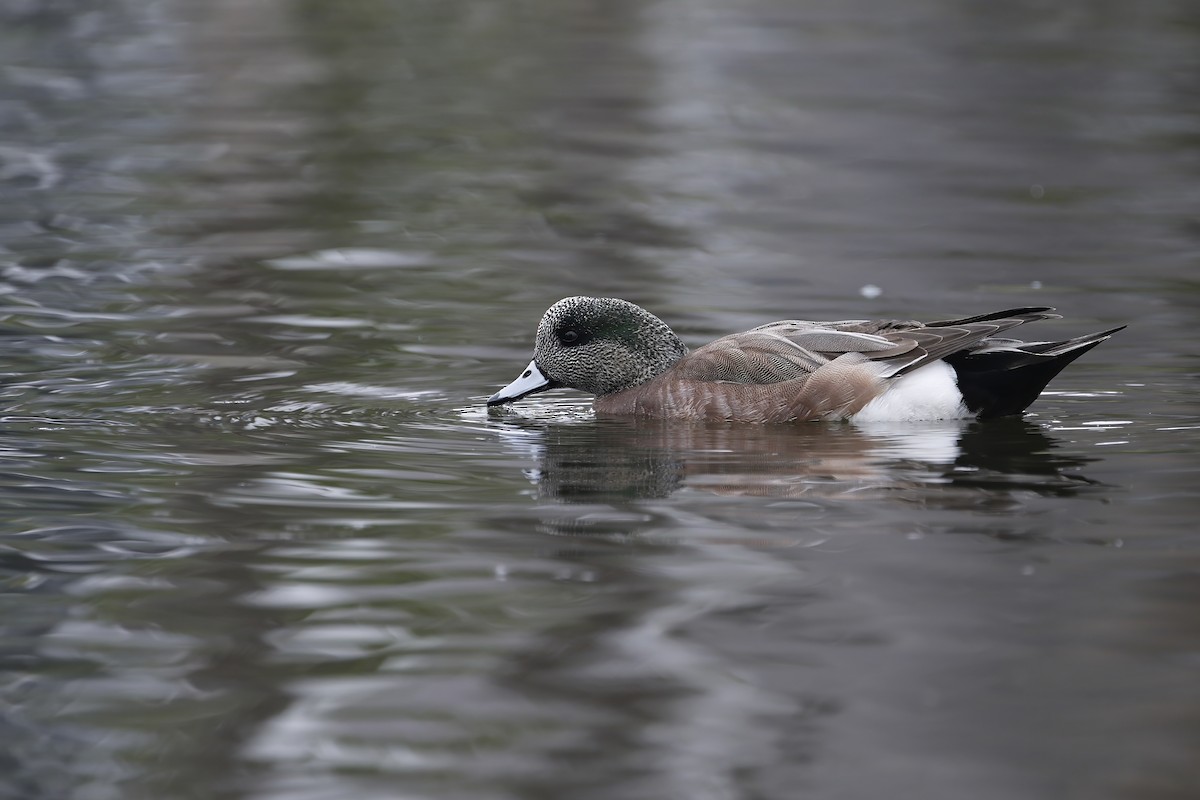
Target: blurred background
pixel 262 260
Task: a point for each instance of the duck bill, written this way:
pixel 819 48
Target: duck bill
pixel 531 381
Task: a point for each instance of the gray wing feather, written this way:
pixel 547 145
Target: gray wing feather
pixel 791 350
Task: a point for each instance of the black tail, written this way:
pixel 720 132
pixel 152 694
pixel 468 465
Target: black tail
pixel 1005 380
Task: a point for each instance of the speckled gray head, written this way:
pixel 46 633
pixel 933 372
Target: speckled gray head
pixel 598 345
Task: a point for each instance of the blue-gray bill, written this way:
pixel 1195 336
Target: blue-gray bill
pixel 530 382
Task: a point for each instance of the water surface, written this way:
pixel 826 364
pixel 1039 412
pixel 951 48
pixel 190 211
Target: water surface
pixel 261 263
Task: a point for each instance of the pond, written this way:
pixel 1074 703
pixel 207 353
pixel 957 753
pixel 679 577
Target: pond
pixel 262 263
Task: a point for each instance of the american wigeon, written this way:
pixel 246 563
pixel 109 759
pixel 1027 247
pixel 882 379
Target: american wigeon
pixel 787 371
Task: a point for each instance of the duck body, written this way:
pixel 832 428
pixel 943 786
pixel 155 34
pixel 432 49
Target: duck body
pixel 793 370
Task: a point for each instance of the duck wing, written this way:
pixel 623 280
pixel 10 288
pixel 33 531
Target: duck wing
pixel 791 350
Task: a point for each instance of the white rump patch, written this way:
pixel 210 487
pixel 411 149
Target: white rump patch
pixel 928 393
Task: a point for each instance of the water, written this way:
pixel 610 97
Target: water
pixel 262 262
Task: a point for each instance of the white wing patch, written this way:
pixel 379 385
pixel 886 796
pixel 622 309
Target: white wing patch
pixel 928 393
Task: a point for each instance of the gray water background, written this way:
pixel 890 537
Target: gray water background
pixel 261 262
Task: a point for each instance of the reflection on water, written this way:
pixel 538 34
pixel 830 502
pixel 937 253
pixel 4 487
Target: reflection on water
pixel 260 263
pixel 943 462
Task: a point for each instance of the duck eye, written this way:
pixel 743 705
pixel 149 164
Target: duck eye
pixel 569 337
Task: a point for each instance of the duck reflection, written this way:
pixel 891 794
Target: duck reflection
pixel 605 459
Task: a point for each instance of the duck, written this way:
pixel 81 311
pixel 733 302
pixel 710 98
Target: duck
pixel 794 370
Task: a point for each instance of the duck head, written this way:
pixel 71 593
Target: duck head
pixel 598 345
